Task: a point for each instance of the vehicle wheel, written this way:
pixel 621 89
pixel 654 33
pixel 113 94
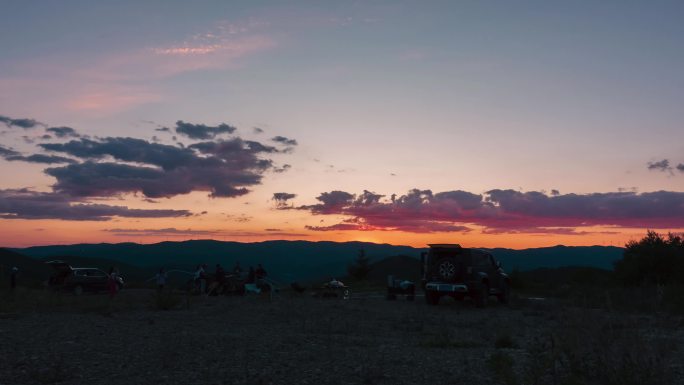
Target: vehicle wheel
pixel 482 297
pixel 446 269
pixel 78 290
pixel 431 298
pixel 505 295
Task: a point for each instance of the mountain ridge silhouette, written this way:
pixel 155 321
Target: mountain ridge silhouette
pixel 299 260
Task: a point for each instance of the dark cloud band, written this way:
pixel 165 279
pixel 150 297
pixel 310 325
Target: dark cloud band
pixel 224 168
pixel 28 204
pixel 21 123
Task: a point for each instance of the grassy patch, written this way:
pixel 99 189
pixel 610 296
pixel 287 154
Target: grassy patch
pixel 444 339
pixel 505 341
pixel 166 300
pixel 597 347
pixel 501 365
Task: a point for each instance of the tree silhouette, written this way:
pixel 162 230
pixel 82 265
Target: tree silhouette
pixel 361 267
pixel 654 259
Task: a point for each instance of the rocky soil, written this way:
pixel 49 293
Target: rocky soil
pixel 49 338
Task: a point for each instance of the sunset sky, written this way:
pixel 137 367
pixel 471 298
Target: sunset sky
pixel 486 123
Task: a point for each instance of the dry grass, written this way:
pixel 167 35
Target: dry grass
pixel 298 339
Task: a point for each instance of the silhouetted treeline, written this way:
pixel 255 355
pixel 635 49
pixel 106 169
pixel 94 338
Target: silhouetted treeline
pixel 653 260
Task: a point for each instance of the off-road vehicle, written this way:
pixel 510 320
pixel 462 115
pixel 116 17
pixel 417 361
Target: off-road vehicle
pixel 451 270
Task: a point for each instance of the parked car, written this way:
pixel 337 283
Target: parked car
pixel 451 270
pixel 79 279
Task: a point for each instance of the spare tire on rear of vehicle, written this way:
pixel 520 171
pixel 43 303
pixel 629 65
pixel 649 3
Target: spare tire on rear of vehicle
pixel 447 269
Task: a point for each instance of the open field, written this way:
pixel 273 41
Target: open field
pixel 63 339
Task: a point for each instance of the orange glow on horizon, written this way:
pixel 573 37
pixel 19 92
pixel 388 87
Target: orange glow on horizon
pixel 25 233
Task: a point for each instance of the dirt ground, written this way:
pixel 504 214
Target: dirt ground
pixel 56 338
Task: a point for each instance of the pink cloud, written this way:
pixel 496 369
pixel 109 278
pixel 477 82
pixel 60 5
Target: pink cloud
pixel 173 60
pixel 385 224
pixel 499 211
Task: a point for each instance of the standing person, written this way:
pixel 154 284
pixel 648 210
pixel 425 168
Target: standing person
pixel 13 277
pixel 220 275
pixel 160 278
pixel 112 283
pixel 260 272
pixel 196 277
pixel 201 278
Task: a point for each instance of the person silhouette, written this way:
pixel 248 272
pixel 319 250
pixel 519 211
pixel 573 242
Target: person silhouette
pixel 13 277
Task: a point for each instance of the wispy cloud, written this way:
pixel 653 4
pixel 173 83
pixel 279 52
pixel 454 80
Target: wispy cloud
pixel 28 204
pixel 63 132
pixel 202 131
pixel 110 82
pixel 663 165
pixel 167 232
pixel 239 218
pixel 284 140
pixel 281 199
pixel 185 233
pixel 24 123
pixel 174 60
pixel 105 97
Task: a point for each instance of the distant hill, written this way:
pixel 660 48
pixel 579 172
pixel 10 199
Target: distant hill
pixel 284 260
pixel 34 271
pixel 301 260
pixel 601 257
pixel 31 271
